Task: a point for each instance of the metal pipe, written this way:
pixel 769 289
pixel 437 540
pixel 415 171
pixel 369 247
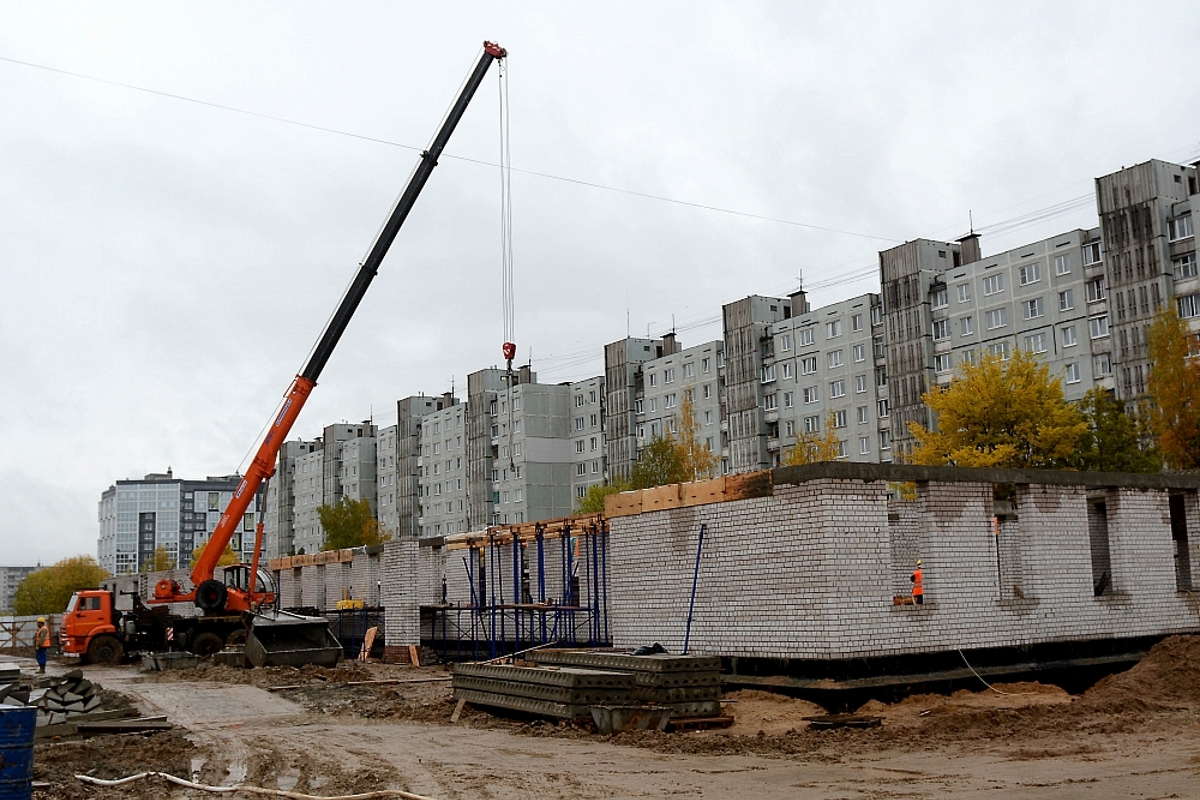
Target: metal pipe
pixel 687 636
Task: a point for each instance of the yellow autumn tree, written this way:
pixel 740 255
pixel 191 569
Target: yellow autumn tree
pixel 1173 413
pixel 228 557
pixel 1000 413
pixel 47 590
pixel 811 448
pixel 696 460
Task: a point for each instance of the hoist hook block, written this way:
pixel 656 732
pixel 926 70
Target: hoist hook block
pixel 510 351
pixel 494 49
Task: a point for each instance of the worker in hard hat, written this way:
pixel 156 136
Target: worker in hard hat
pixel 918 582
pixel 41 643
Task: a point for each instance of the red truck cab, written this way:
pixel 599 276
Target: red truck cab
pixel 89 627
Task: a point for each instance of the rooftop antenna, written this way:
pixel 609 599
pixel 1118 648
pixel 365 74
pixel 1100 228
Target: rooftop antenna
pixel 672 323
pixel 800 279
pixel 971 221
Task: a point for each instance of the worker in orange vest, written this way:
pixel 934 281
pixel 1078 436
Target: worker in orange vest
pixel 918 585
pixel 41 643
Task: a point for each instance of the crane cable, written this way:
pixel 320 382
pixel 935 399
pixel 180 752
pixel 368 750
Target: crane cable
pixel 506 250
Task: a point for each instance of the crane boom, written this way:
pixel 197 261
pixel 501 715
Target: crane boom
pixel 212 595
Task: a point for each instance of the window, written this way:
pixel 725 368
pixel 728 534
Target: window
pixel 993 284
pixel 579 420
pixel 1102 364
pixel 835 359
pixel 881 377
pixel 876 315
pixel 885 440
pixel 968 357
pixel 856 322
pixel 1179 228
pixel 1189 306
pixel 941 329
pixel 707 391
pixel 1031 273
pixel 860 384
pixel 999 349
pixel 811 395
pixel 580 491
pixel 1098 327
pixel 708 417
pixel 789 400
pixel 653 379
pixel 1092 254
pixel 841 448
pixel 768 373
pixel 637 405
pixel 966 326
pixel 706 365
pixel 669 375
pixel 807 336
pixel 516 429
pixel 864 445
pixel 997 318
pixel 785 342
pixel 581 468
pixel 1068 336
pixel 1185 266
pixel 808 365
pixel 789 429
pixel 1036 343
pixel 689 369
pixel 837 389
pixel 653 405
pixel 884 408
pixel 595 420
pixel 595 467
pixel 938 298
pixel 579 446
pixel 770 403
pixel 1066 300
pixel 1095 290
pixel 863 415
pixel 833 329
pixel 839 419
pixel 964 293
pixel 812 424
pixel 787 370
pixel 1072 373
pixel 1032 309
pixel 1062 264
pixel 670 400
pixel 860 353
pixel 941 363
pixel 518 495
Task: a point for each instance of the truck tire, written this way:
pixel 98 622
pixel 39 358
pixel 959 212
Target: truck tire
pixel 207 643
pixel 211 596
pixel 105 650
pixel 236 637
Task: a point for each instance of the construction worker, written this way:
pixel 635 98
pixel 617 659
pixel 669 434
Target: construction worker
pixel 41 643
pixel 918 585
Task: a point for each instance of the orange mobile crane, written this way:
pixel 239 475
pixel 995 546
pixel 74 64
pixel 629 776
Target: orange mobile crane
pixel 222 598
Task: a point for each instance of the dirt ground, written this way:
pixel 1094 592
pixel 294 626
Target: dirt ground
pixel 1135 734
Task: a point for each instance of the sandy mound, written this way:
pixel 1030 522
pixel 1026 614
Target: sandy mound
pixel 770 713
pixel 1168 677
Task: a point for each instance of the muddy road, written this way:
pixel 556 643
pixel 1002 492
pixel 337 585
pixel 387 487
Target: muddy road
pixel 1135 735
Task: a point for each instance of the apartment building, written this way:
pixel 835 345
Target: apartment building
pixel 588 420
pixel 442 462
pixel 623 385
pixel 697 372
pixel 137 517
pixel 10 578
pixel 279 523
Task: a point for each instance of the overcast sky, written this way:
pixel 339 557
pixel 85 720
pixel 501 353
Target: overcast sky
pixel 170 248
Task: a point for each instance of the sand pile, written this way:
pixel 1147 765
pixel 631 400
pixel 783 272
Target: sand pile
pixel 1168 677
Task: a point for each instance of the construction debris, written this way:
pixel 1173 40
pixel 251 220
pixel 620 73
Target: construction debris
pixel 72 705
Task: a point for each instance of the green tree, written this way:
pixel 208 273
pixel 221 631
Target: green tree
pixel 1173 413
pixel 162 561
pixel 593 501
pixel 1000 414
pixel 811 448
pixel 1112 440
pixel 47 590
pixel 698 461
pixel 659 463
pixel 349 524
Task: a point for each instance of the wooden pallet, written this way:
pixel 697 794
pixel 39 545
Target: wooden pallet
pixel 698 723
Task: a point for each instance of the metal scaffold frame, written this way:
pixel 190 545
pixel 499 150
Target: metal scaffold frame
pixel 503 619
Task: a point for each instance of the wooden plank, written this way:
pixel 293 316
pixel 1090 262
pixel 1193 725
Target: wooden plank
pixel 699 493
pixel 458 707
pixel 661 497
pixel 368 643
pixel 623 504
pixel 414 655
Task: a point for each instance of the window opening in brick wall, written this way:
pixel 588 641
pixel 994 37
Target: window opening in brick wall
pixel 904 537
pixel 1097 513
pixel 1007 532
pixel 1179 535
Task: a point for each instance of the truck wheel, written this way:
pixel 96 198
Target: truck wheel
pixel 105 650
pixel 237 637
pixel 211 595
pixel 207 643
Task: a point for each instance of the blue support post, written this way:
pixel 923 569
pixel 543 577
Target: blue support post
pixel 604 575
pixel 687 636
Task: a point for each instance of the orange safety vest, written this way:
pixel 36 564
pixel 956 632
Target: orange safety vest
pixel 41 639
pixel 918 586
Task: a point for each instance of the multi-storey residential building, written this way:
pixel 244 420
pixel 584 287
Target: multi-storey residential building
pixel 138 516
pixel 442 484
pixel 399 452
pixel 623 385
pixel 820 368
pixel 588 421
pixel 279 523
pixel 696 373
pixel 10 578
pixel 308 493
pixel 1147 215
pixel 358 472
